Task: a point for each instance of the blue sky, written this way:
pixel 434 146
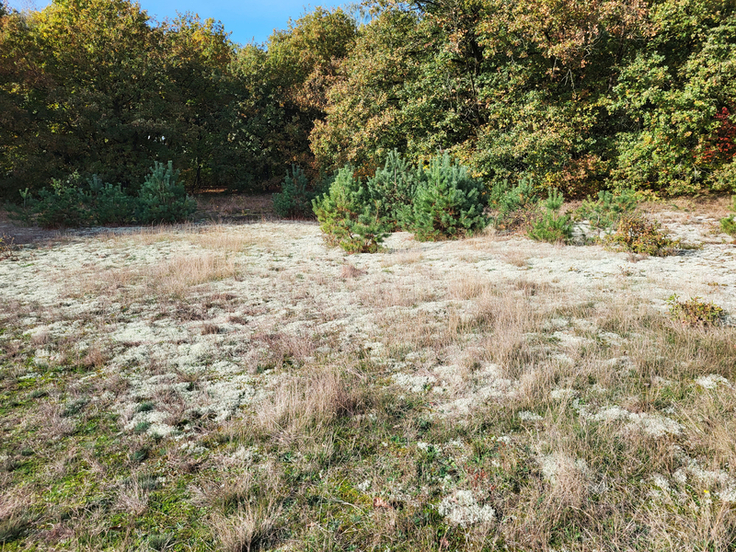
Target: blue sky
pixel 246 20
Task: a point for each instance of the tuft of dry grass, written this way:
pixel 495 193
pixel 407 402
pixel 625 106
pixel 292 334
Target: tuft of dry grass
pixel 348 271
pixel 175 277
pixel 133 498
pixel 517 257
pixel 410 257
pixel 251 527
pixel 469 286
pixel 387 294
pixel 308 406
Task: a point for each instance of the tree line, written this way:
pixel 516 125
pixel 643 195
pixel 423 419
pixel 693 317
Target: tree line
pixel 574 95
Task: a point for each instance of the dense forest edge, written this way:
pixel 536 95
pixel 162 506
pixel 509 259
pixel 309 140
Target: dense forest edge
pixel 573 96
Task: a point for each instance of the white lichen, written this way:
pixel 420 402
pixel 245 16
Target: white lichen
pixel 463 510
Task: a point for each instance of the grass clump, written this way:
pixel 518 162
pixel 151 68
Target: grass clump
pixel 553 227
pixel 636 234
pixel 13 528
pixel 695 311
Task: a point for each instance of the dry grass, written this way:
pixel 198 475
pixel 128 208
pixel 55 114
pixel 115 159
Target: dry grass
pixel 410 257
pixel 429 400
pixel 517 257
pixel 349 271
pixel 387 293
pixel 307 407
pixel 133 499
pixel 174 277
pixel 249 528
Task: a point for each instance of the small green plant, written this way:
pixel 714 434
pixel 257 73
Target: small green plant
pixel 347 216
pixel 553 227
pixel 728 224
pixel 163 198
pixel 636 234
pixel 141 427
pixel 140 455
pixel 295 199
pixel 695 311
pixel 13 528
pixel 607 210
pixel 447 204
pixel 74 407
pixel 146 406
pixel 512 206
pixel 160 541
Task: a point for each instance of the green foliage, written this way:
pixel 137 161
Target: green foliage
pixel 512 206
pixel 575 97
pixel 695 311
pixel 607 210
pixel 394 187
pixel 552 227
pixel 447 203
pixel 163 198
pixel 96 87
pixel 347 216
pixel 65 204
pixel 281 93
pixel 728 224
pixel 295 198
pixel 109 204
pixel 75 202
pixel 636 234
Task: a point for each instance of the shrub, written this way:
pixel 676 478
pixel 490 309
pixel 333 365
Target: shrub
pixel 638 235
pixel 447 203
pixel 65 204
pixel 162 198
pixel 607 210
pixel 694 311
pixel 295 198
pixel 728 224
pixel 74 202
pixel 347 216
pixel 552 227
pixel 109 204
pixel 393 187
pixel 512 207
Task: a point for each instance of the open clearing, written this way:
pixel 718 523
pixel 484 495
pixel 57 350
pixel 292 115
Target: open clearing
pixel 245 387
